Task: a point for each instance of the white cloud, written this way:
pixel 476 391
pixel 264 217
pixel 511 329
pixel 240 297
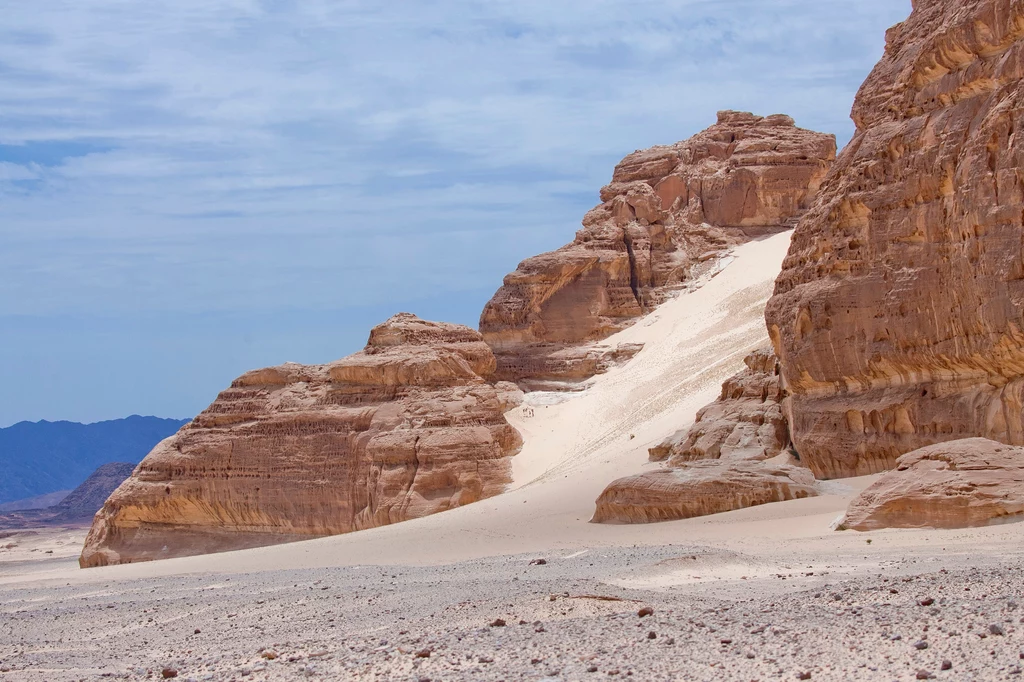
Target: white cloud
pixel 338 121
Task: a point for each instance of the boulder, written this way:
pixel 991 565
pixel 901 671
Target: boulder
pixel 700 488
pixel 898 317
pixel 956 484
pixel 668 214
pixel 407 427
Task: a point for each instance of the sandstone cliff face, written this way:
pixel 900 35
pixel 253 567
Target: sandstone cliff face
pixel 958 484
pixel 405 428
pixel 745 423
pixel 898 314
pixel 668 211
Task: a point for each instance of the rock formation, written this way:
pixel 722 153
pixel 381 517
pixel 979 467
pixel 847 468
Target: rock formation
pixel 957 484
pixel 668 212
pixel 700 488
pixel 898 314
pixel 405 428
pixel 745 423
pixel 720 463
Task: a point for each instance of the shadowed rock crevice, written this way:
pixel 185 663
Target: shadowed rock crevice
pixel 634 277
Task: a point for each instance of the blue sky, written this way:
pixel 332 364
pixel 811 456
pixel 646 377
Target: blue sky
pixel 190 189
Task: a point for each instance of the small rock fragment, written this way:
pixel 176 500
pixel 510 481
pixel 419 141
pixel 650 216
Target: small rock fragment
pixel 423 653
pixel 168 673
pixel 996 629
pixel 645 611
pixel 946 665
pixel 921 645
pixel 498 623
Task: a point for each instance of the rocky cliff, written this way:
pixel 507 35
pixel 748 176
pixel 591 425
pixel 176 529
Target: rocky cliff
pixel 405 428
pixel 898 314
pixel 668 212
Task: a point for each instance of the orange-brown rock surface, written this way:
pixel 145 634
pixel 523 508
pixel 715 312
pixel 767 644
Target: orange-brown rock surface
pixel 667 213
pixel 957 484
pixel 405 428
pixel 898 314
pixel 745 423
pixel 700 488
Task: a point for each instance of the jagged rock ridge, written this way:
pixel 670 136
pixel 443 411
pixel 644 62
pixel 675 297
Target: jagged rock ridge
pixel 667 214
pixel 407 427
pixel 898 314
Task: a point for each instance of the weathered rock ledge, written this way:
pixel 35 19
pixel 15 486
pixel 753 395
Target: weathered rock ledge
pixel 957 484
pixel 700 488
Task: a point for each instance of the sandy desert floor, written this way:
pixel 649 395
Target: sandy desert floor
pixel 522 587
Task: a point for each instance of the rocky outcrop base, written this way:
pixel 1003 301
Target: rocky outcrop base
pixel 958 484
pixel 699 489
pixel 745 423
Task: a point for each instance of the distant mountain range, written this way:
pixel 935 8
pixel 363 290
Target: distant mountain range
pixel 37 458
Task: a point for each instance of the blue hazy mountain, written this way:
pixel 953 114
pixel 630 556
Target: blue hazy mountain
pixel 43 457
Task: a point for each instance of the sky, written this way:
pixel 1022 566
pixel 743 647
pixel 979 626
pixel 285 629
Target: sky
pixel 195 188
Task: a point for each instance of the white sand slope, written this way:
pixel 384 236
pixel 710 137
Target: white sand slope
pixel 576 444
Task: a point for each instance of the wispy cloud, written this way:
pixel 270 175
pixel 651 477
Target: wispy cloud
pixel 253 155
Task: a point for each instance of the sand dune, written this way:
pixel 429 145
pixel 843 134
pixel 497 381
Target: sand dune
pixel 574 445
pixel 367 605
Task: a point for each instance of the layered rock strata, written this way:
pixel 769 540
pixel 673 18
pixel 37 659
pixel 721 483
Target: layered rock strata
pixel 667 214
pixel 957 484
pixel 407 427
pixel 700 488
pixel 899 313
pixel 745 423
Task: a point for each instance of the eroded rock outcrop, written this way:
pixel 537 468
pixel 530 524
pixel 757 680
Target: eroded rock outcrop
pixel 898 314
pixel 700 488
pixel 668 212
pixel 745 423
pixel 732 457
pixel 405 428
pixel 957 484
